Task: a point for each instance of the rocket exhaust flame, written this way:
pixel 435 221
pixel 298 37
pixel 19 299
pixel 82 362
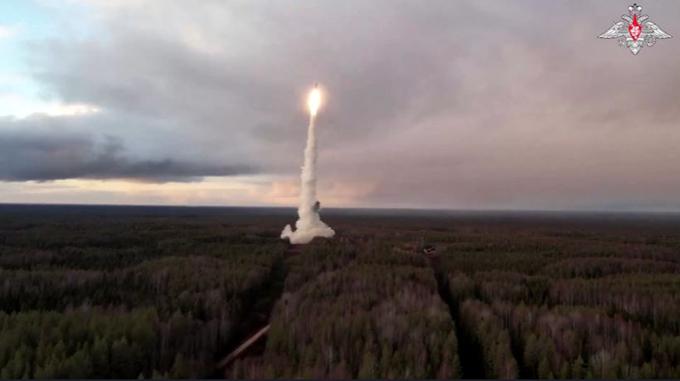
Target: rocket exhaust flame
pixel 314 101
pixel 309 224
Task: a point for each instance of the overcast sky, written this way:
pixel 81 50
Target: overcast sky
pixel 437 104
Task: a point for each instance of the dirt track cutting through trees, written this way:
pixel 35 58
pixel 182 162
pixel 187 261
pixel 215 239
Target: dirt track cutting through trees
pixel 256 325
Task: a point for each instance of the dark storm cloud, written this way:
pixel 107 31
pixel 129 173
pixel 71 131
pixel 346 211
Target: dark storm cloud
pixel 478 103
pixel 29 151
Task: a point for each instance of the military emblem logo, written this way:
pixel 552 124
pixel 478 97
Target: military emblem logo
pixel 635 31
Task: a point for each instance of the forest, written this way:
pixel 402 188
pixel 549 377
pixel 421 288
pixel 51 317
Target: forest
pixel 125 297
pixel 153 293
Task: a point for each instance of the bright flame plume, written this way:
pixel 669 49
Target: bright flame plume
pixel 314 101
pixel 309 224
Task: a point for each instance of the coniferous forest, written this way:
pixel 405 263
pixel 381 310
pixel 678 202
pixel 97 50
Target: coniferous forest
pixel 141 292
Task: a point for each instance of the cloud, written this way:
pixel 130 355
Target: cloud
pixel 7 31
pixel 468 104
pixel 31 151
pixel 21 106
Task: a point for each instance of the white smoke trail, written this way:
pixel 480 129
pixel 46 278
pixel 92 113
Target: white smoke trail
pixel 309 224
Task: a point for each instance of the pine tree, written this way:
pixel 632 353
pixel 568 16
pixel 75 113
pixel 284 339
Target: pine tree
pixel 544 369
pixel 367 368
pixel 180 367
pixel 577 370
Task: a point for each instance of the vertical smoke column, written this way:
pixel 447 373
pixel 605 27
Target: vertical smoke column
pixel 309 224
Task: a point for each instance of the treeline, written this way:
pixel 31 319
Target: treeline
pixel 130 297
pixel 134 298
pixel 374 313
pixel 79 344
pixel 566 342
pixel 488 333
pixel 583 306
pixel 529 302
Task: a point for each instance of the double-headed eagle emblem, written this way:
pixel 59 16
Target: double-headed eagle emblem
pixel 635 31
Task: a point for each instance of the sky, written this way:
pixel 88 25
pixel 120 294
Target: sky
pixel 480 104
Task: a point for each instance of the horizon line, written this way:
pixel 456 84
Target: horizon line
pixel 357 208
